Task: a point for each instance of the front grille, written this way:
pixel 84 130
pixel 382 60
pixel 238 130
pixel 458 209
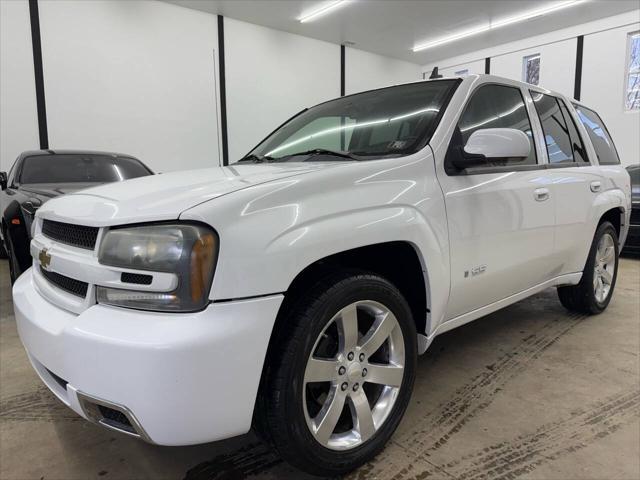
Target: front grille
pixel 75 287
pixel 75 235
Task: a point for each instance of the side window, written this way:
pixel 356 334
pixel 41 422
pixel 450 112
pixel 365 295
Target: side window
pixel 579 153
pixel 599 135
pixel 493 106
pixel 554 127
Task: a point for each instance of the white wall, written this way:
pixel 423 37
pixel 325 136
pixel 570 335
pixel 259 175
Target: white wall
pixel 18 114
pixel 603 70
pixel 557 65
pixel 474 66
pixel 603 86
pixel 133 77
pixel 270 76
pixel 140 77
pixel 365 71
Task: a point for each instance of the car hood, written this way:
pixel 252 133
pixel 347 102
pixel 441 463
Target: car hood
pixel 165 196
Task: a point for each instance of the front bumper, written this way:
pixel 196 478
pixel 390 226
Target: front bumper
pixel 183 378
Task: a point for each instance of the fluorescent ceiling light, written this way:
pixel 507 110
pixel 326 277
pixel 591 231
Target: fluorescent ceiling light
pixel 498 24
pixel 326 8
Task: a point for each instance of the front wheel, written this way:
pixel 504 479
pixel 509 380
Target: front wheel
pixel 593 293
pixel 341 374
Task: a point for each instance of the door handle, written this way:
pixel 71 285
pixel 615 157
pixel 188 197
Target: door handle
pixel 595 186
pixel 541 194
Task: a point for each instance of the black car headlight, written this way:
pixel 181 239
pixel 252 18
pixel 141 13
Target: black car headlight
pixel 189 251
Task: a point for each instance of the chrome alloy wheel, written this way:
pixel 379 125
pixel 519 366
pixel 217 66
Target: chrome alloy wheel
pixel 604 268
pixel 353 375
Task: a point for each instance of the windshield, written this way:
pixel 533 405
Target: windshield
pixel 83 168
pixel 381 123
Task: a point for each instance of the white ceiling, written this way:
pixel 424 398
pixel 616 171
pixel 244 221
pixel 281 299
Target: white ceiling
pixel 393 27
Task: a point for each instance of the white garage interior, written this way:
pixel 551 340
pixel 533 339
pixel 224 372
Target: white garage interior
pixel 530 391
pixel 144 77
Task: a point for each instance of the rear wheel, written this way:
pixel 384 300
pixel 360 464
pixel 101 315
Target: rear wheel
pixel 593 293
pixel 341 375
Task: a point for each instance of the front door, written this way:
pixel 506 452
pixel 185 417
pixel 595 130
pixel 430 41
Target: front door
pixel 500 216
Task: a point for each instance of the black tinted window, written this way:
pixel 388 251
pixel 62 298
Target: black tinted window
pixel 494 106
pixel 556 132
pixel 387 122
pixel 74 168
pixel 599 136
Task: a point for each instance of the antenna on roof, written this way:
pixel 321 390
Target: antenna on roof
pixel 435 74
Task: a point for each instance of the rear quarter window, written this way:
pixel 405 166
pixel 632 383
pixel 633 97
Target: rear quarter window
pixel 599 135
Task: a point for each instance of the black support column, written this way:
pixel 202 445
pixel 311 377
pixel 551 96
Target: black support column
pixel 39 76
pixel 223 92
pixel 577 86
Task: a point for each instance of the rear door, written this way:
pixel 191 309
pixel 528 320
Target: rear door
pixel 575 181
pixel 500 216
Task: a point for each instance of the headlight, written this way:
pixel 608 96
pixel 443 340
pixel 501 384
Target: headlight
pixel 187 250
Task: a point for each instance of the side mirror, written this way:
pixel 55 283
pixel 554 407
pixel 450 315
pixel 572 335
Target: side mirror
pixel 3 180
pixel 490 144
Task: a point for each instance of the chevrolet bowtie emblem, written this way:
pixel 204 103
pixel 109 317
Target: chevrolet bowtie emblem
pixel 45 258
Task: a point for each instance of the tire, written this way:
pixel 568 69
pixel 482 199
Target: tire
pixel 14 268
pixel 585 297
pixel 3 251
pixel 291 402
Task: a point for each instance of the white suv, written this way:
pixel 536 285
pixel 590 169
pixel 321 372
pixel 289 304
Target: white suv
pixel 293 290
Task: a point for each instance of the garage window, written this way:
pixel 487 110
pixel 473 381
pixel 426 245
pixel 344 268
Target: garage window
pixel 632 93
pixel 531 69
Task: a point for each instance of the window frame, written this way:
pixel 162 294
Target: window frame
pixel 541 162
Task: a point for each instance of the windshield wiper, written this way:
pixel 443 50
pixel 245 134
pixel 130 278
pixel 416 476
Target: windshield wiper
pixel 322 151
pixel 252 157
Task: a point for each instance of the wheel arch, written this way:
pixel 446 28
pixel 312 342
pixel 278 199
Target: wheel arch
pixel 616 216
pixel 400 262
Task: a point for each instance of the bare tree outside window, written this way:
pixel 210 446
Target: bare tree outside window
pixel 531 69
pixel 632 92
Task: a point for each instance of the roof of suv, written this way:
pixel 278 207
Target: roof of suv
pixel 32 153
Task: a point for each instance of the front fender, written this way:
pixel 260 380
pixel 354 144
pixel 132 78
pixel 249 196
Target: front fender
pixel 269 233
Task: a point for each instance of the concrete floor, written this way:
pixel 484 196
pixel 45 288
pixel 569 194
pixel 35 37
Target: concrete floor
pixel 529 392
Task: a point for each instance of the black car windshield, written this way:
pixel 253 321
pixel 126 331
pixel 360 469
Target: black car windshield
pixel 381 123
pixel 80 168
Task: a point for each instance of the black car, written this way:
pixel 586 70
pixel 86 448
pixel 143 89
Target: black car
pixel 632 245
pixel 36 176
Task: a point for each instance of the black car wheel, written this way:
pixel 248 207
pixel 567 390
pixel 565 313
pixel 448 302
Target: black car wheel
pixel 341 374
pixel 14 267
pixel 593 293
